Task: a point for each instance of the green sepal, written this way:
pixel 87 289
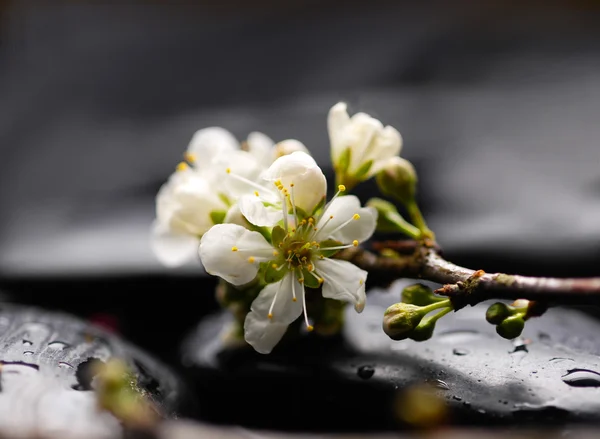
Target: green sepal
pixel 319 206
pixel 224 198
pixel 363 170
pixel 420 295
pixel 424 331
pixel 309 280
pixel 218 216
pixel 344 161
pixel 329 243
pixel 270 274
pixel 277 236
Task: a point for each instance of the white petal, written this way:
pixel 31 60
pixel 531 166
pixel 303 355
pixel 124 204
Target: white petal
pixel 386 145
pixel 300 170
pixel 343 210
pixel 343 281
pixel 337 121
pixel 261 148
pixel 254 210
pixel 261 333
pixel 172 249
pixel 287 147
pixel 207 143
pixel 364 131
pixel 285 310
pixel 234 216
pixel 219 258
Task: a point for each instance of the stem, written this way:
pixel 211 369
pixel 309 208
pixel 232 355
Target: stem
pixel 417 218
pixel 404 226
pixel 464 286
pixel 440 314
pixel 437 305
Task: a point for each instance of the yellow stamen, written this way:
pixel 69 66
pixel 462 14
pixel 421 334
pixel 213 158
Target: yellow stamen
pixel 251 259
pixel 356 216
pixel 275 253
pixel 341 188
pixel 310 328
pixel 234 249
pixel 294 299
pixel 270 315
pixel 355 243
pixel 228 170
pixel 320 280
pixel 256 193
pixel 274 266
pixel 182 166
pixel 190 157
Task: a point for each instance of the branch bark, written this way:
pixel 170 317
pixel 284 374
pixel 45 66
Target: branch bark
pixel 465 286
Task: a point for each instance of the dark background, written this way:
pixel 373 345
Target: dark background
pixel 497 101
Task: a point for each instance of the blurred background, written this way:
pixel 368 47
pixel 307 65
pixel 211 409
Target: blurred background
pixel 498 103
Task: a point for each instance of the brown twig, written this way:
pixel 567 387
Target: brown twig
pixel 469 287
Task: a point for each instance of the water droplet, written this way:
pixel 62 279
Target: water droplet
pixel 467 404
pixel 519 345
pixel 27 352
pixel 27 343
pixel 438 384
pixel 582 378
pixel 460 351
pixel 482 411
pixel 65 365
pixel 58 345
pixel 559 359
pixel 365 372
pixel 456 397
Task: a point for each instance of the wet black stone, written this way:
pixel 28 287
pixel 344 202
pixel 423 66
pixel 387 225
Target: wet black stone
pixel 46 372
pixel 549 375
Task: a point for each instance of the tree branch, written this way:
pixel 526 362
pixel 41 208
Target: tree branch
pixel 465 286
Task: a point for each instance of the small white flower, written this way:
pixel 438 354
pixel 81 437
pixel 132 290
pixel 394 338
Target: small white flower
pixel 298 256
pixel 360 144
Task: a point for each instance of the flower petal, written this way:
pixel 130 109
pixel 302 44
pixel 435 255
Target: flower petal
pixel 172 249
pixel 302 172
pixel 343 281
pixel 207 143
pixel 387 144
pixel 257 213
pixel 260 146
pixel 280 295
pixel 343 209
pixel 261 333
pixel 337 120
pixel 233 252
pixel 286 147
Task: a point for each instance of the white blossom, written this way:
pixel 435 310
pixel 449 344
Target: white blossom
pixel 360 145
pixel 200 194
pixel 298 257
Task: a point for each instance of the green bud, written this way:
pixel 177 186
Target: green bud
pixel 511 327
pixel 400 319
pixel 420 295
pixel 389 220
pixel 424 331
pixel 398 179
pixel 497 312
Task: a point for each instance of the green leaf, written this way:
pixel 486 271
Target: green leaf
pixel 218 216
pixel 363 170
pixel 329 243
pixel 277 236
pixel 271 274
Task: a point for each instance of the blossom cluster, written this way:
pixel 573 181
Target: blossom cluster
pixel 257 213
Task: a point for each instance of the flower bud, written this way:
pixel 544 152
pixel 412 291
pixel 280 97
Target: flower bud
pixel 420 295
pixel 286 147
pixel 400 319
pixel 389 220
pixel 497 312
pixel 424 331
pixel 398 179
pixel 511 327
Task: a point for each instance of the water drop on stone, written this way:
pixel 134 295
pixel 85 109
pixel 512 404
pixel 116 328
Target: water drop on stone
pixel 460 351
pixel 365 372
pixel 582 378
